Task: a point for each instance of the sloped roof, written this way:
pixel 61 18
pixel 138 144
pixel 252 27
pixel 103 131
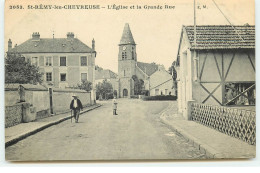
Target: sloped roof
pixel 148 68
pixel 127 37
pixel 221 36
pixel 52 45
pixel 104 74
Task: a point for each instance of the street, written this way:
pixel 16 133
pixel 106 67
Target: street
pixel 135 133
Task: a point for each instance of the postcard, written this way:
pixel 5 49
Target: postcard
pixel 129 80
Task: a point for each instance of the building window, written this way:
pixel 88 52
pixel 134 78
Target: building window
pixel 62 77
pixel 48 61
pixel 124 55
pixel 49 76
pixel 133 56
pixel 84 76
pixel 156 92
pixel 83 60
pixel 166 91
pixel 63 61
pixel 124 72
pixel 35 61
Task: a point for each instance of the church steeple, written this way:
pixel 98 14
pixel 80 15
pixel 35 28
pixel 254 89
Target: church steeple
pixel 127 37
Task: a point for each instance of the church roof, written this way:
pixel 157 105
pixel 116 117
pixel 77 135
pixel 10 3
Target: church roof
pixel 52 45
pixel 127 37
pixel 104 74
pixel 148 68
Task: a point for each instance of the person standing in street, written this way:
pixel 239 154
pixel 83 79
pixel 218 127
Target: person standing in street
pixel 114 106
pixel 76 106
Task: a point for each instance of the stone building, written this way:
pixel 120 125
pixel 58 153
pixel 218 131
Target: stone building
pixel 65 62
pixel 156 79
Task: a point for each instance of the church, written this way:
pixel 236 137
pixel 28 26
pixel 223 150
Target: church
pixel 156 79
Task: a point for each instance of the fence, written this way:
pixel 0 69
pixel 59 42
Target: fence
pixel 237 123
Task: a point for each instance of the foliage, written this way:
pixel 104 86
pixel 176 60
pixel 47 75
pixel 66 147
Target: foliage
pixel 173 71
pixel 160 97
pixel 103 88
pixel 18 70
pixel 145 92
pixel 98 68
pixel 85 85
pixel 138 85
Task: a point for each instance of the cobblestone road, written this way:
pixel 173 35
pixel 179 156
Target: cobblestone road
pixel 135 133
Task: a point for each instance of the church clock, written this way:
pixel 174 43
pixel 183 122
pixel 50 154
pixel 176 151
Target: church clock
pixel 124 48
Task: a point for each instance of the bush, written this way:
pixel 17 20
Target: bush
pixel 109 96
pixel 160 97
pixel 134 97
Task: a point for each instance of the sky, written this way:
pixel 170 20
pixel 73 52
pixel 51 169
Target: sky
pixel 156 32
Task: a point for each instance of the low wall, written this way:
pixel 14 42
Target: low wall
pixel 37 99
pixel 62 98
pixel 13 115
pixel 11 97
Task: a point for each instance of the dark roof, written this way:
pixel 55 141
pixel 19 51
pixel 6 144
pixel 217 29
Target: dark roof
pixel 52 45
pixel 148 68
pixel 127 37
pixel 104 74
pixel 221 36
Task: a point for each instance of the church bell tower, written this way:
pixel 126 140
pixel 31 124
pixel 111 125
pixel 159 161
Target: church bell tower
pixel 126 63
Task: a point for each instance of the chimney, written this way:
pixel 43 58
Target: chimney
pixel 36 36
pixel 9 44
pixel 93 44
pixel 70 35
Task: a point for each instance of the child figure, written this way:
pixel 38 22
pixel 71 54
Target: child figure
pixel 114 106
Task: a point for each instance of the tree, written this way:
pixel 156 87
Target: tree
pixel 173 72
pixel 85 85
pixel 98 68
pixel 18 70
pixel 138 85
pixel 103 89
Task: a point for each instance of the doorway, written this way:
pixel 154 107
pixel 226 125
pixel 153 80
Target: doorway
pixel 125 93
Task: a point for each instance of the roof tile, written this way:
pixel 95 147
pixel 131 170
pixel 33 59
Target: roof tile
pixel 221 36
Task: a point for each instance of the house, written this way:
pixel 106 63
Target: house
pixel 155 78
pixel 104 74
pixel 65 62
pixel 161 83
pixel 219 69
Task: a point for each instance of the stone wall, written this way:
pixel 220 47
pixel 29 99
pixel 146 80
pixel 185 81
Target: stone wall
pixel 38 102
pixel 11 97
pixel 62 99
pixel 13 115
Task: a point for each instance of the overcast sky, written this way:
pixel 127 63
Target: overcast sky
pixel 156 32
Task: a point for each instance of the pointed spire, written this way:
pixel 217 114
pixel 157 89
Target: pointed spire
pixel 127 37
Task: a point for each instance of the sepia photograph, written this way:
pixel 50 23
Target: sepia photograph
pixel 129 80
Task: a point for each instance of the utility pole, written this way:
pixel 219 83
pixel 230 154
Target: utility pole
pixel 195 44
